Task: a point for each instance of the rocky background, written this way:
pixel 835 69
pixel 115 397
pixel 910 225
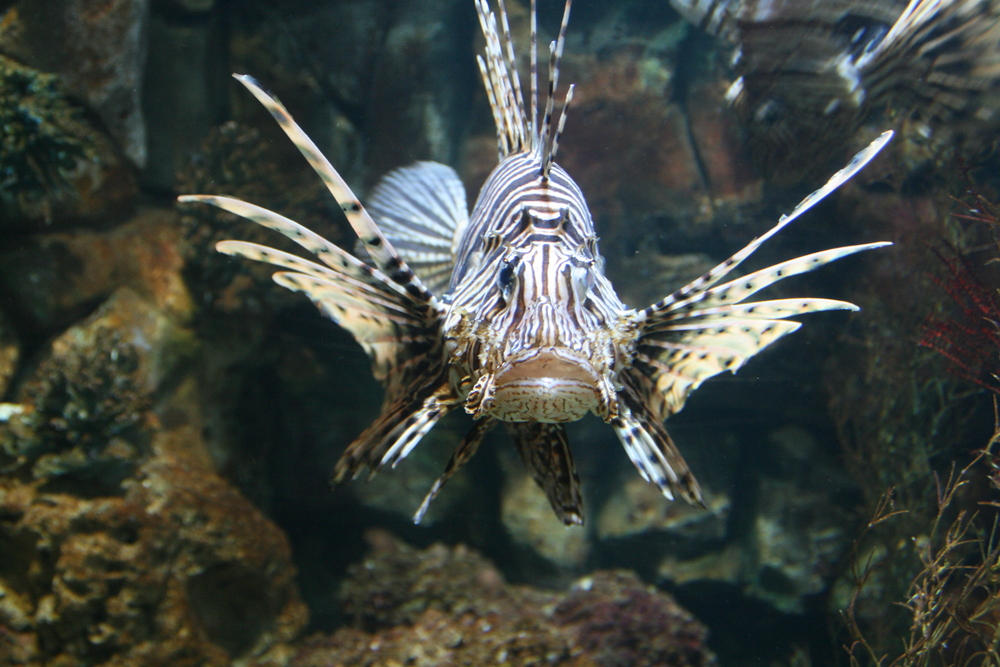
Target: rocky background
pixel 170 417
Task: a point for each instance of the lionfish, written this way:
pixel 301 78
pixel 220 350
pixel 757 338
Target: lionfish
pixel 507 312
pixel 810 72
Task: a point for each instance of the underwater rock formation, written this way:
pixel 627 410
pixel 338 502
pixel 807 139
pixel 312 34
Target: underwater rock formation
pixel 98 49
pixel 54 166
pixel 121 544
pixel 449 605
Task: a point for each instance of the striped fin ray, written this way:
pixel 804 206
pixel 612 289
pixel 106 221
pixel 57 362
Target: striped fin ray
pixel 381 251
pixel 719 272
pixel 648 444
pixel 544 448
pixel 331 255
pixel 462 454
pixel 513 131
pixel 406 417
pixel 746 286
pixel 422 210
pixel 547 138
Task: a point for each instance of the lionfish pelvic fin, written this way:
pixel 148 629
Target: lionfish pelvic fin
pixel 544 449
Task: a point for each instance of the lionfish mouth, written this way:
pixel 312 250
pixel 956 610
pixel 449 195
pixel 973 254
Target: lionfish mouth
pixel 549 384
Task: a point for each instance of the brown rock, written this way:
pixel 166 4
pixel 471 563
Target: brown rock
pixel 98 48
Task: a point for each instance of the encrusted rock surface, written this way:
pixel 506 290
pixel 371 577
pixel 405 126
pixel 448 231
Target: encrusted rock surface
pixel 98 47
pixel 450 606
pixel 121 544
pixel 56 167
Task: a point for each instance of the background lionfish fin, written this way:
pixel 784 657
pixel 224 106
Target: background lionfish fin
pixel 422 211
pixel 941 51
pixel 379 249
pixel 545 451
pixel 463 452
pixel 719 272
pixel 648 444
pixel 406 417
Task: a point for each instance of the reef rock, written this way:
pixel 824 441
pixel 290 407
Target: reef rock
pixel 55 167
pixel 450 606
pixel 121 544
pixel 98 49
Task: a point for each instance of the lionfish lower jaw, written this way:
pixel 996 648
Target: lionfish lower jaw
pixel 549 385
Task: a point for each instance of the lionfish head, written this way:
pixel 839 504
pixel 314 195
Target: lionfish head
pixel 541 336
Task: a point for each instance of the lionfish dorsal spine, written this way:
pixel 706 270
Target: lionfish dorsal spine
pixel 516 130
pixel 547 138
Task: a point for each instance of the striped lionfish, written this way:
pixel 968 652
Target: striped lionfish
pixel 507 312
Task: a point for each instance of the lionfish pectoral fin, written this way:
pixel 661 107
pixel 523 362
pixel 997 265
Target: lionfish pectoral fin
pixel 651 449
pixel 398 429
pixel 465 450
pixel 695 288
pixel 422 210
pixel 381 251
pixel 544 448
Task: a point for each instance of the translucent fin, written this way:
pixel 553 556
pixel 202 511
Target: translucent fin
pixel 462 454
pixel 422 211
pixel 648 444
pixel 545 451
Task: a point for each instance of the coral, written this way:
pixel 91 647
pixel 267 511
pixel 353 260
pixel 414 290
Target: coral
pixel 450 606
pixel 37 149
pixel 970 340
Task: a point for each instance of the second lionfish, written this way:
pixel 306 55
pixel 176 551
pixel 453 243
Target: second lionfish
pixel 506 312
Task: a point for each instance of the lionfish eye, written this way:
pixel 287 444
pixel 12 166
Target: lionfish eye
pixel 505 277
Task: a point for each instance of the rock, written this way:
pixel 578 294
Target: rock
pixel 531 523
pixel 50 280
pixel 123 545
pixel 799 531
pixel 638 507
pixel 98 48
pixel 448 605
pixel 56 167
pixel 184 92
